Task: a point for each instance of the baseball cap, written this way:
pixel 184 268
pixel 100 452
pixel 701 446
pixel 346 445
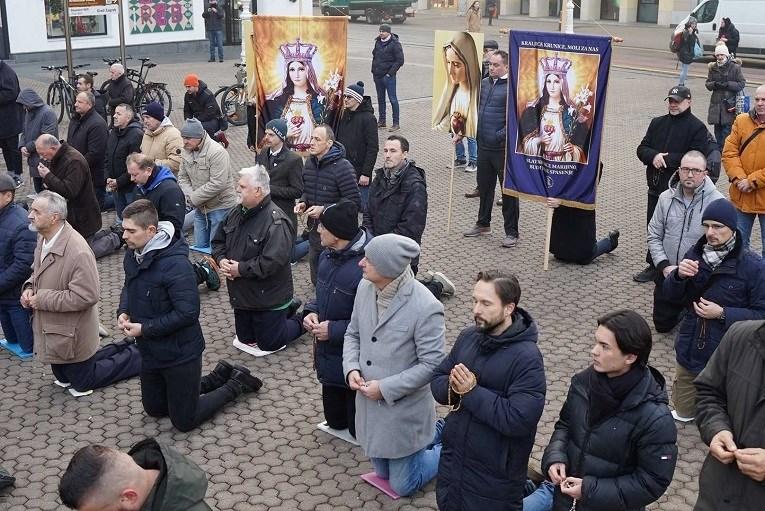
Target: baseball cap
pixel 678 93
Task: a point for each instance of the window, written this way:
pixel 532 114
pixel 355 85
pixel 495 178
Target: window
pixel 705 13
pixel 80 25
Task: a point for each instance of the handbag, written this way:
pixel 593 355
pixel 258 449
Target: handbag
pixel 730 103
pixel 698 50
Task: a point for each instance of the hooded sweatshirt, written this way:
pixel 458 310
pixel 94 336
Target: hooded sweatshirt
pixel 165 233
pixel 39 119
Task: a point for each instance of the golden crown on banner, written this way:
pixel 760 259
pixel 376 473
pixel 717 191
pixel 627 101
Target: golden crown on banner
pixel 555 65
pixel 301 52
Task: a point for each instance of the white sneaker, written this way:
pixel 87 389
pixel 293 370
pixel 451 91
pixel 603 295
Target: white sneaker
pixel 63 385
pixel 76 393
pixel 680 418
pixel 253 349
pixel 471 167
pixel 448 285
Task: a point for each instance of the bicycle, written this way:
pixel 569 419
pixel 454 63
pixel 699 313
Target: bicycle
pixel 146 91
pixel 233 101
pixel 61 92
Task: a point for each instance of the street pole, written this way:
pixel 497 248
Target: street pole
pixel 68 41
pixel 123 56
pixel 245 17
pixel 569 17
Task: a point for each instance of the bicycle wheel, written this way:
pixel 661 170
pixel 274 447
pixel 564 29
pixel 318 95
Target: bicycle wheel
pixel 156 93
pixel 233 104
pixel 55 99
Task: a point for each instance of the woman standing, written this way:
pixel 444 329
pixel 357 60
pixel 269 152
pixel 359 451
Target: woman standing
pixel 474 17
pixel 725 80
pixel 729 35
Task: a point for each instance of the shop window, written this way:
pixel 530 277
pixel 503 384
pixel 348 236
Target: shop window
pixel 81 26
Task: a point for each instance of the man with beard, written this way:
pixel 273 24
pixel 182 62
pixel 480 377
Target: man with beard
pixel 494 380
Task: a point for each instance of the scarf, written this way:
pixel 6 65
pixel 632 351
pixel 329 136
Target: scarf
pixel 607 394
pixel 386 294
pixel 714 256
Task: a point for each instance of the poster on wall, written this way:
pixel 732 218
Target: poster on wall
pixel 456 82
pixel 151 16
pixel 556 101
pixel 300 72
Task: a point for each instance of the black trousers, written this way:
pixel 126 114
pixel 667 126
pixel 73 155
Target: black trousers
pixel 666 314
pixel 174 391
pixel 11 154
pixel 110 364
pixel 314 251
pixel 491 166
pixel 653 201
pixel 339 407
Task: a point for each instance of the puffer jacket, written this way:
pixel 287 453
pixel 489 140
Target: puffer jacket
pixel 201 105
pixel 387 56
pixel 675 227
pixel 163 191
pixel 330 179
pixel 337 278
pixel 161 294
pixel 261 239
pixel 492 114
pixel 121 143
pixel 737 285
pixel 40 119
pixel 206 176
pixel 10 111
pixel 750 165
pixel 88 134
pixel 164 145
pixel 17 252
pixel 725 82
pixel 626 460
pixel 487 441
pixel 357 131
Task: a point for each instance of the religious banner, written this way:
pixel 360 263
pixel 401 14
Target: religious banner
pixel 556 101
pixel 151 16
pixel 299 72
pixel 456 82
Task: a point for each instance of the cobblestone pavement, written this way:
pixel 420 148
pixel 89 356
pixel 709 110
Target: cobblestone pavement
pixel 265 452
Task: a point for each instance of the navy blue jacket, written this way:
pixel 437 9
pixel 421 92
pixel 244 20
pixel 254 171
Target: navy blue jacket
pixel 492 114
pixel 330 179
pixel 17 251
pixel 737 285
pixel 163 191
pixel 627 459
pixel 387 57
pixel 488 440
pixel 337 278
pixel 161 294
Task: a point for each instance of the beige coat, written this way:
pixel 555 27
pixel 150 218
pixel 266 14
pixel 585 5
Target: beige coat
pixel 164 145
pixel 65 322
pixel 473 20
pixel 206 176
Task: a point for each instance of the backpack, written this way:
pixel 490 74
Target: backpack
pixel 676 42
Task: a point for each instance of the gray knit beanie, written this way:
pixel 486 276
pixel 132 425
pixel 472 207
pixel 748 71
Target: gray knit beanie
pixel 192 128
pixel 390 254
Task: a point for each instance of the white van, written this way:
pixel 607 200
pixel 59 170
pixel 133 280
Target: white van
pixel 748 16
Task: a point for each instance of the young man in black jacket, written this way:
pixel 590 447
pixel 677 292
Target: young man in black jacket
pixel 199 103
pixel 387 59
pixel 159 307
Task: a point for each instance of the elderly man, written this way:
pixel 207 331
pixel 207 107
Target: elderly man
pixel 17 247
pixel 12 117
pixel 63 293
pixel 719 283
pixel 199 103
pixel 124 139
pixel 161 140
pixel 327 178
pixel 392 345
pixel 252 249
pixel 85 84
pixel 88 134
pixel 744 160
pixel 152 476
pixel 39 119
pixel 118 89
pixel 206 178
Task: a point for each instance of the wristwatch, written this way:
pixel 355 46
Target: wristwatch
pixel 722 315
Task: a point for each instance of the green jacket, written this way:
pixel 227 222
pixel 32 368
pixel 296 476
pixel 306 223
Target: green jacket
pixel 181 485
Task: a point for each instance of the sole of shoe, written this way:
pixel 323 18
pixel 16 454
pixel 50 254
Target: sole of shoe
pixel 449 288
pixel 253 349
pixel 509 243
pixel 63 385
pixel 475 234
pixel 680 418
pixel 77 393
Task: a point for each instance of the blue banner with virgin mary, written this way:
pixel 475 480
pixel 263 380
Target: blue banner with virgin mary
pixel 556 101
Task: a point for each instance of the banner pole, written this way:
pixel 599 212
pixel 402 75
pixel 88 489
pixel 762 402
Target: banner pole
pixel 451 192
pixel 548 232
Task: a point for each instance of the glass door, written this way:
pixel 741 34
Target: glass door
pixel 648 11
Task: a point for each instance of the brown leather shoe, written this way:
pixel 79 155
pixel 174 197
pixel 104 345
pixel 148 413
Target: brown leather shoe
pixel 472 195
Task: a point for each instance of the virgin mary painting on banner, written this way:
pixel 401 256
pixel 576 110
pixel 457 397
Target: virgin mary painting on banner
pixel 300 67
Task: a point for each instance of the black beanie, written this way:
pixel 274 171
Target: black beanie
pixel 341 219
pixel 723 211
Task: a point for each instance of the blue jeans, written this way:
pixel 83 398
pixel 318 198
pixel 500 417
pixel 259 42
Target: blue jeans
pixel 205 226
pixel 721 133
pixel 299 250
pixel 216 41
pixel 17 325
pixel 745 223
pixel 121 201
pixel 472 150
pixel 364 192
pixel 387 84
pixel 683 73
pixel 541 499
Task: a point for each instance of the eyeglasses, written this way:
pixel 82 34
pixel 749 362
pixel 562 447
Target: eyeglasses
pixel 347 96
pixel 690 171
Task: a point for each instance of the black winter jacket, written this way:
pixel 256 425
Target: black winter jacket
pixel 118 91
pixel 330 179
pixel 161 294
pixel 730 32
pixel 17 252
pixel 685 53
pixel 286 174
pixel 201 105
pixel 88 134
pixel 214 20
pixel 492 114
pixel 337 278
pixel 11 113
pixel 121 143
pixel 358 133
pixel 626 460
pixel 487 441
pixel 673 134
pixel 261 240
pixel 387 57
pixel 163 191
pixel 737 285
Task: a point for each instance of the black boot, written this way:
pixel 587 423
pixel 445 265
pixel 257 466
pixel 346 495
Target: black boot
pixel 219 376
pixel 243 383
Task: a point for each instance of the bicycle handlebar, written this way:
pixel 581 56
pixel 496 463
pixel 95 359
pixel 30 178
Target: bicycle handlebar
pixel 61 68
pixel 110 60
